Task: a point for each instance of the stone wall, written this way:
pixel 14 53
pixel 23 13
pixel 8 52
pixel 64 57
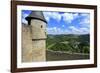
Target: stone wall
pixel 26 44
pixel 58 56
pixel 38 29
pixel 33 41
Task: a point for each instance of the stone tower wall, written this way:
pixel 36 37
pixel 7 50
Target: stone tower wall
pixel 33 41
pixel 26 44
pixel 38 29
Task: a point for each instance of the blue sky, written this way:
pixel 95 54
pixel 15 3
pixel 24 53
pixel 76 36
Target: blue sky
pixel 64 22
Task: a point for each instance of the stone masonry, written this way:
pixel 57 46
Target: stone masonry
pixel 34 38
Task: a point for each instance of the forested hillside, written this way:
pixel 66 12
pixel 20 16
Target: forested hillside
pixel 69 43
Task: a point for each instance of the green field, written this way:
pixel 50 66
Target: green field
pixel 69 43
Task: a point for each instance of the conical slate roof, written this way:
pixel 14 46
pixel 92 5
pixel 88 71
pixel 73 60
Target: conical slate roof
pixel 36 15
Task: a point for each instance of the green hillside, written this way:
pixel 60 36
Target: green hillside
pixel 68 43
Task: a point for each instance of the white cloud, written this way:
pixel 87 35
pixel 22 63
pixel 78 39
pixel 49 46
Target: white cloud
pixel 73 30
pixel 84 14
pixel 47 15
pixel 63 25
pixel 85 22
pixel 55 30
pixel 24 15
pixel 68 17
pixel 24 21
pixel 54 15
pixel 82 30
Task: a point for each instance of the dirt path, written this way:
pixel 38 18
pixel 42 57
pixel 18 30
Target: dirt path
pixel 51 45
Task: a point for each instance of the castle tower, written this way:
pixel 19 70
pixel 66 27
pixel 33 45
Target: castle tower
pixel 37 24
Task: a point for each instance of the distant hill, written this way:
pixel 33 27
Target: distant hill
pixel 69 42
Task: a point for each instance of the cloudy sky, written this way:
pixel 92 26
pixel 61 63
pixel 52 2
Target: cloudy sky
pixel 64 22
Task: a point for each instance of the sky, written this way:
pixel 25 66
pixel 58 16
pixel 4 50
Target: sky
pixel 64 22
